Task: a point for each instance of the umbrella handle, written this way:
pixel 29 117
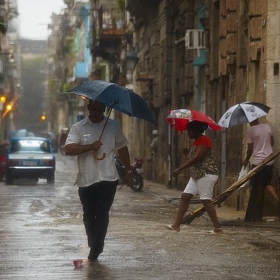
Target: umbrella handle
pixel 94 152
pixel 98 158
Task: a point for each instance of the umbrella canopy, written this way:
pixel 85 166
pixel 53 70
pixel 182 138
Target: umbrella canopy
pixel 244 112
pixel 180 117
pixel 115 97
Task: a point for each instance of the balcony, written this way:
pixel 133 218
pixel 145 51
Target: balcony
pixel 142 10
pixel 111 22
pixel 110 30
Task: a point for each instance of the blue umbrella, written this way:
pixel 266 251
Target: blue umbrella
pixel 116 97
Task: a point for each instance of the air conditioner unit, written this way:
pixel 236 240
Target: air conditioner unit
pixel 195 39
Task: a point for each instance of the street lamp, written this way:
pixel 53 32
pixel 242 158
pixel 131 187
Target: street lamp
pixel 9 107
pixel 131 60
pixel 2 101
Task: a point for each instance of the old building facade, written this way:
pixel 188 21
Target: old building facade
pixel 10 65
pixel 238 62
pixel 205 55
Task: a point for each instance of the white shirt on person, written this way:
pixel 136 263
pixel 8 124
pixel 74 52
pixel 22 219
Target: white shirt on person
pixel 92 170
pixel 260 136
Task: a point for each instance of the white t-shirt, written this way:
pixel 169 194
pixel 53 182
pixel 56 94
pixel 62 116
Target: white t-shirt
pixel 260 136
pixel 91 170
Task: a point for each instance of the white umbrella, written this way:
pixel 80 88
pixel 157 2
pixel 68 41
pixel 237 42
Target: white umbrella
pixel 244 112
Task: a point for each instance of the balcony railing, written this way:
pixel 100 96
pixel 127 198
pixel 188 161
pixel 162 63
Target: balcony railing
pixel 111 22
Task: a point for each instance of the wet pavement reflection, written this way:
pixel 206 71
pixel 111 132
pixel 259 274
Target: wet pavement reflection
pixel 42 232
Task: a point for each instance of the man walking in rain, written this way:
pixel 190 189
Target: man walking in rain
pixel 97 178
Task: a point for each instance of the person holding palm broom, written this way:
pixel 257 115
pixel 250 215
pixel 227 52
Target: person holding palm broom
pixel 203 176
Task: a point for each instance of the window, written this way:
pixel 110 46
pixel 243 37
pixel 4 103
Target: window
pixel 37 146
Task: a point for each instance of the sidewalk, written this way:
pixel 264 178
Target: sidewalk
pixel 227 215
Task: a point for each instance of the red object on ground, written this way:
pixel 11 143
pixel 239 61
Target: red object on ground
pixel 78 263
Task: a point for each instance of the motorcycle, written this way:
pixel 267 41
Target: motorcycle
pixel 138 181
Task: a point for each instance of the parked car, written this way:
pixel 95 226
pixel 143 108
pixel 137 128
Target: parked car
pixel 30 157
pixel 3 149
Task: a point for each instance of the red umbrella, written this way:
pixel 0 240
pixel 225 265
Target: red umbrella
pixel 179 118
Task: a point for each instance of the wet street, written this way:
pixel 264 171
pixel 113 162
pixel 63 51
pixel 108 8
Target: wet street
pixel 41 233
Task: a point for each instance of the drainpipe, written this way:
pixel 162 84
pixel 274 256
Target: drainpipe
pixel 223 154
pixel 169 158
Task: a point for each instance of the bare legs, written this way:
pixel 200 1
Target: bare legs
pixel 184 205
pixel 211 211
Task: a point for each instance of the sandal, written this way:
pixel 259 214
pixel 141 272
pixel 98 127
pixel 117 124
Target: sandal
pixel 217 231
pixel 171 228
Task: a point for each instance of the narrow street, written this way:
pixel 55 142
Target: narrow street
pixel 42 232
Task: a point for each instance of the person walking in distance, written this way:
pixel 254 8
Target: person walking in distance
pixel 154 143
pixel 97 179
pixel 203 176
pixel 259 146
